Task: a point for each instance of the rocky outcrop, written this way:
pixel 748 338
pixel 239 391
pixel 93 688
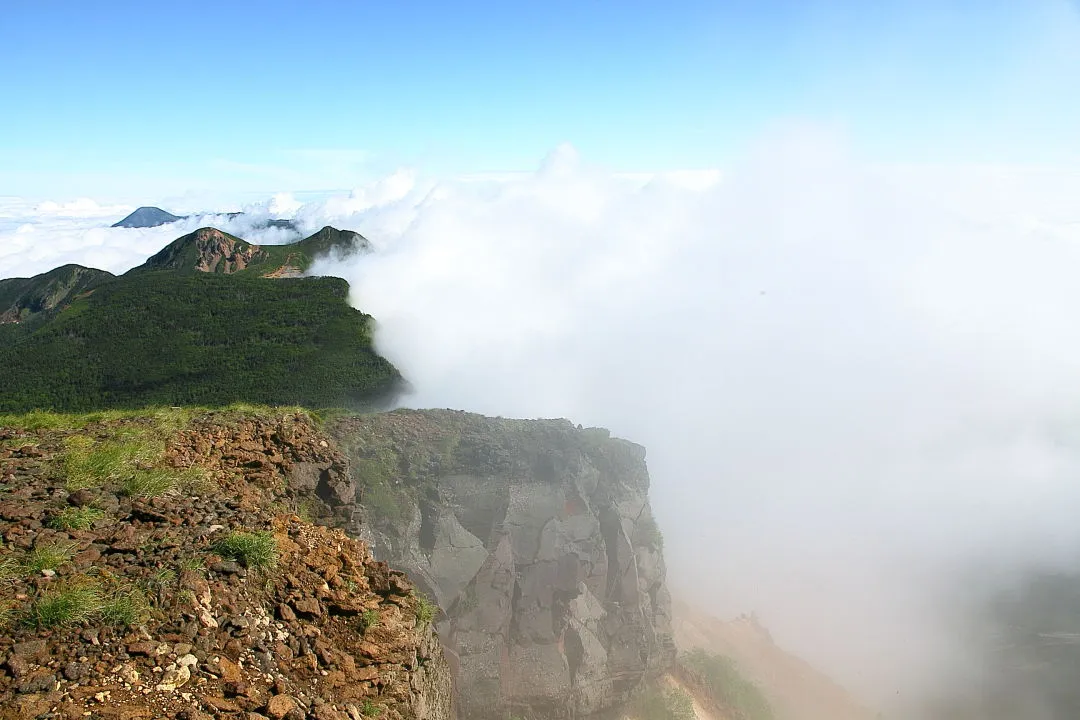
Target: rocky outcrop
pixel 537 540
pixel 206 250
pixel 168 566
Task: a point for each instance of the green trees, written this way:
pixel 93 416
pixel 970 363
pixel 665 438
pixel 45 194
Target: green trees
pixel 164 338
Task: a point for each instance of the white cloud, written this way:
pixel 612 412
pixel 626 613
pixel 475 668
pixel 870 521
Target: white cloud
pixel 849 378
pixel 80 208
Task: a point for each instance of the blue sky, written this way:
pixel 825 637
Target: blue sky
pixel 119 98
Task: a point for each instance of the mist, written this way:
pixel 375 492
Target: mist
pixel 855 382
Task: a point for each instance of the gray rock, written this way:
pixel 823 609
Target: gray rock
pixel 228 567
pixel 537 540
pixel 82 497
pixel 38 682
pixel 28 649
pixel 76 670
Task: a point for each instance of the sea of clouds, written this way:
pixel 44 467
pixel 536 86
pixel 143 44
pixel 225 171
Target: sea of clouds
pixel 852 379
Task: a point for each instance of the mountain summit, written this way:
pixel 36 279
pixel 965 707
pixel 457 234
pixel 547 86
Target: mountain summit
pixel 148 217
pixel 210 250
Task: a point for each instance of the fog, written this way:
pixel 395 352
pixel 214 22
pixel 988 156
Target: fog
pixel 853 381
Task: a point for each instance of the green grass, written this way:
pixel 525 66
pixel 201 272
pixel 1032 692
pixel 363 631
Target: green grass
pixel 86 463
pixel 370 709
pixel 47 557
pixel 254 550
pixel 10 569
pixel 128 608
pixel 162 577
pixel 169 418
pixel 81 599
pixel 150 483
pixel 130 460
pixel 65 605
pixel 729 688
pixel 425 609
pixel 669 704
pixel 369 619
pixel 76 518
pixel 193 563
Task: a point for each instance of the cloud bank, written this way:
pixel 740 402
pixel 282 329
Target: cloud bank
pixel 852 380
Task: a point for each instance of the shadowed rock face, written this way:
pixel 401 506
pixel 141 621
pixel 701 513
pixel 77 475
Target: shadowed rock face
pixel 536 539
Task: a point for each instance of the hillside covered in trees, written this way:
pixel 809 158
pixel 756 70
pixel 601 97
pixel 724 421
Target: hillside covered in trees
pixel 201 328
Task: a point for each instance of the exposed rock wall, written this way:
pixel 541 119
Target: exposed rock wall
pixel 536 538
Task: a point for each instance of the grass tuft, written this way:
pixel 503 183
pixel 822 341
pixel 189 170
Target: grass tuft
pixel 425 609
pixel 150 483
pixel 10 569
pixel 254 550
pixel 128 608
pixel 47 557
pixel 193 563
pixel 65 605
pixel 195 480
pixel 86 463
pixel 76 518
pixel 369 619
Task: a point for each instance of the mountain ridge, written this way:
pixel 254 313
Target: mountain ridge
pixel 211 250
pixel 149 216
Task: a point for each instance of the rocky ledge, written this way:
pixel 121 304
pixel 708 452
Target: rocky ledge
pixel 159 567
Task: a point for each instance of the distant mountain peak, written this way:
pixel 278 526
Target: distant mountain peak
pixel 147 217
pixel 330 240
pixel 206 250
pixel 211 250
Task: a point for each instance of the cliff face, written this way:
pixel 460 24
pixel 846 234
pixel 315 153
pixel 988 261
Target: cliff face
pixel 537 540
pixel 158 567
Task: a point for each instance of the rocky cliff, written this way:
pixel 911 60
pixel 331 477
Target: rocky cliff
pixel 168 565
pixel 537 540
